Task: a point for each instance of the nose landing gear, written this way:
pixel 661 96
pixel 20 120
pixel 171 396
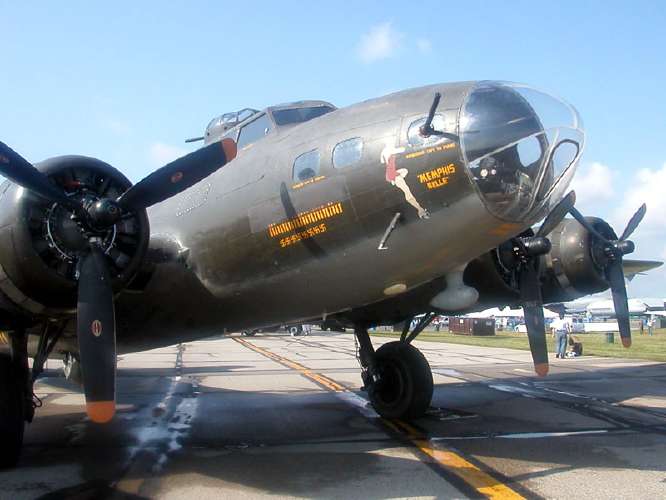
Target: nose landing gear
pixel 397 377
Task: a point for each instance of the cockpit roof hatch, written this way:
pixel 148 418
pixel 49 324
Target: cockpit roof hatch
pixel 281 115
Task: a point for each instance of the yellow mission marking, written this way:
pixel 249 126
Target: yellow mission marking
pixel 303 235
pixel 332 209
pixel 482 482
pixel 311 180
pixel 427 151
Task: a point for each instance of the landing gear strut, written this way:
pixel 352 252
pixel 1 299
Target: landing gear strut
pixel 397 376
pixel 15 398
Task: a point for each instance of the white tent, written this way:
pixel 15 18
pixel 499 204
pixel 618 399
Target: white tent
pixel 606 307
pixel 496 312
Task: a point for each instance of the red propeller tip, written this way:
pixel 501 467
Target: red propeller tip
pixel 101 412
pixel 626 342
pixel 230 149
pixel 541 369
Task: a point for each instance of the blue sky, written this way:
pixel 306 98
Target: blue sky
pixel 129 81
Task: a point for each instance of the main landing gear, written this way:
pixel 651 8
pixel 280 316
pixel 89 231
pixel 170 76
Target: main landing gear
pixel 17 401
pixel 397 376
pixel 15 398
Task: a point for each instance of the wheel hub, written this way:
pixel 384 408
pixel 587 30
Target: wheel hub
pixel 390 385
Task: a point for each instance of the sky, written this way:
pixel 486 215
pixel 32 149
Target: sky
pixel 127 82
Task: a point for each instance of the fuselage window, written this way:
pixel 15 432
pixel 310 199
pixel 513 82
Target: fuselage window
pixel 254 131
pixel 414 136
pixel 306 166
pixel 348 152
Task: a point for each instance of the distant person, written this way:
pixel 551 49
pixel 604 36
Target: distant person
pixel 651 325
pixel 560 328
pixel 575 347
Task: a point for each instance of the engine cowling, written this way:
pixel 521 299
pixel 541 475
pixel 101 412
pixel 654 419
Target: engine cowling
pixel 41 245
pixel 575 265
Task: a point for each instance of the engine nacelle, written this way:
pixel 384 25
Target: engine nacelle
pixel 41 246
pixel 574 267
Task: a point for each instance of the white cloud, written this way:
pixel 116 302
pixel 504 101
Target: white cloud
pixel 159 153
pixel 593 183
pixel 381 42
pixel 118 127
pixel 646 187
pixel 424 45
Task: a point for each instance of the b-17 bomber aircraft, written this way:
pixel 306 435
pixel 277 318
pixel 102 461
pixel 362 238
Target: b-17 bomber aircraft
pixel 419 202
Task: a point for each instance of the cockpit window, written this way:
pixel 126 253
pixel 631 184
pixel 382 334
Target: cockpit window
pixel 520 145
pixel 306 166
pixel 299 115
pixel 254 131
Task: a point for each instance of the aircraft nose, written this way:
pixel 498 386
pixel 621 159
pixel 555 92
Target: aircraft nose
pixel 521 146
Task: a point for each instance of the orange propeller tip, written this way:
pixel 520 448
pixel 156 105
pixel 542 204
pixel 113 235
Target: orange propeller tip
pixel 101 412
pixel 626 342
pixel 230 148
pixel 541 369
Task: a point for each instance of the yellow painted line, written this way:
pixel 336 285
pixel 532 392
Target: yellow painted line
pixel 4 338
pixel 306 372
pixel 468 472
pixel 452 462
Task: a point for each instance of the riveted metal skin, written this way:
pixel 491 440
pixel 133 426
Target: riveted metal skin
pixel 256 244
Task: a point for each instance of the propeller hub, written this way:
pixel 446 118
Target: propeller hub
pixel 104 213
pixel 625 246
pixel 537 245
pixel 66 236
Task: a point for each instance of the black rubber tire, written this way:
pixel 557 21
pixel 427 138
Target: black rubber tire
pixel 12 418
pixel 249 333
pixel 405 387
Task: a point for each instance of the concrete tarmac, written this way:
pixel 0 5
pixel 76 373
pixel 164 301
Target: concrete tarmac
pixel 280 416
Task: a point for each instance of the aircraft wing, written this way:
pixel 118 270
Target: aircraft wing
pixel 634 267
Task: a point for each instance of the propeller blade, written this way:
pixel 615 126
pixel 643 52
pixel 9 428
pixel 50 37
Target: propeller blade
pixel 634 222
pixel 96 329
pixel 178 175
pixel 615 276
pixel 530 296
pixel 20 171
pixel 557 214
pixel 583 222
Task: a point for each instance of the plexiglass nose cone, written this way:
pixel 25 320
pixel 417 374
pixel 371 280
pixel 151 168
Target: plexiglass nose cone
pixel 521 147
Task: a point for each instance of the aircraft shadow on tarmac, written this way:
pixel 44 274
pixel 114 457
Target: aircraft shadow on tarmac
pixel 322 442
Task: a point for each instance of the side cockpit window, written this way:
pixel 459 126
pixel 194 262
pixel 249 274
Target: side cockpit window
pixel 414 136
pixel 306 166
pixel 254 131
pixel 347 153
